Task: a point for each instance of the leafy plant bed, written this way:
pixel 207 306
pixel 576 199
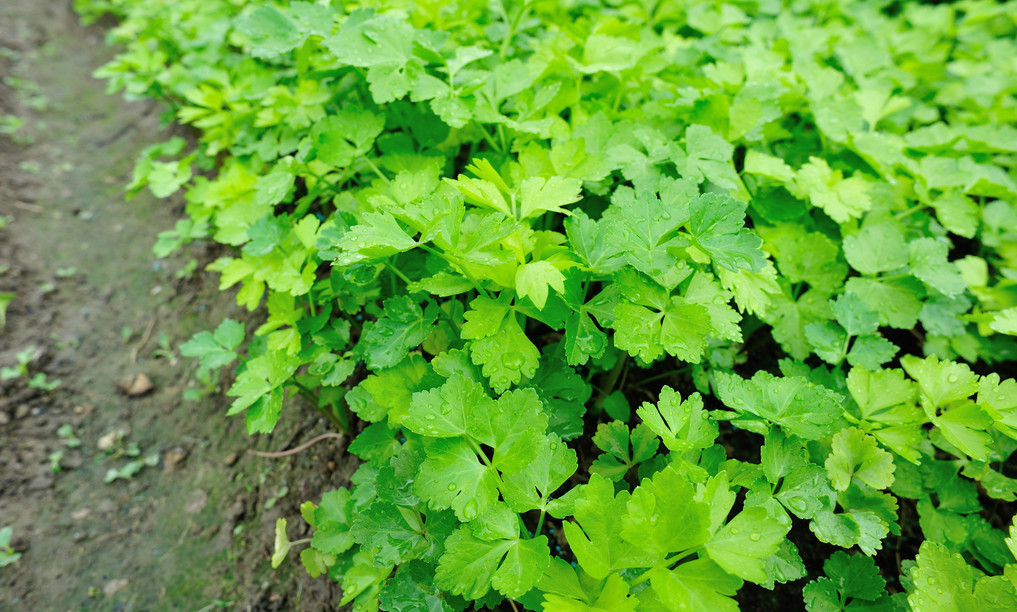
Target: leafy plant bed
pixel 628 305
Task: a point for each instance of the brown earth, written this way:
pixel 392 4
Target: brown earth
pixel 194 530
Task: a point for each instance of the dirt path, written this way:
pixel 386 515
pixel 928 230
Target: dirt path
pixel 192 529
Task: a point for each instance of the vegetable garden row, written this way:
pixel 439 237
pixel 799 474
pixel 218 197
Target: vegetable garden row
pixel 623 304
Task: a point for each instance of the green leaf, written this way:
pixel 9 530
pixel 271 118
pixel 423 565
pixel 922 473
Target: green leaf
pixel 716 225
pixel 378 236
pixel 453 477
pixel 638 226
pixel 943 582
pixel 258 390
pixel 940 382
pixel 662 518
pixel 533 279
pixel 828 340
pixel 681 425
pixel 531 489
pixel 403 328
pixel 332 523
pixel 441 412
pixel 856 454
pixel 800 407
pixel 563 592
pixel 471 566
pixel 897 301
pixel 595 538
pixel 539 195
pixel 499 344
pixel 849 577
pixel 384 45
pixel 871 351
pixel 697 585
pixel 215 349
pixel 271 32
pixel 741 546
pixel 927 257
pixel 854 315
pixel 614 439
pixel 804 256
pixel 282 543
pixel 880 247
pixel 965 427
pixel 513 427
pixel 846 529
pixel 412 589
pixel 388 393
pixel 841 198
pixel 708 156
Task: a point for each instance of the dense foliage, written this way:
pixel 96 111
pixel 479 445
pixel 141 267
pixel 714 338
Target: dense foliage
pixel 627 303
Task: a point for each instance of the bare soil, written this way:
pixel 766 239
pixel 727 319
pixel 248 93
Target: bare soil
pixel 194 531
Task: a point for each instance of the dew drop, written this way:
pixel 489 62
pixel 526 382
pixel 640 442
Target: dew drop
pixel 554 446
pixel 451 487
pixel 735 531
pixel 754 537
pixel 430 417
pixel 952 379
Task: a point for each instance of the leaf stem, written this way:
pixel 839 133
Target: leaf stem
pixel 540 522
pixel 910 211
pixel 454 262
pixel 487 138
pixel 398 273
pixel 377 170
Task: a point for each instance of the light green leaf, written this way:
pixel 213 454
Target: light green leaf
pixel 741 546
pixel 856 454
pixel 533 279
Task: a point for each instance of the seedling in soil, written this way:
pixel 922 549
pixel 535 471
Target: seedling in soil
pixel 165 351
pixel 116 447
pixel 54 461
pixel 10 125
pixel 7 554
pixel 66 432
pixel 6 298
pixel 283 492
pixel 188 270
pixel 24 358
pixel 39 381
pixel 130 469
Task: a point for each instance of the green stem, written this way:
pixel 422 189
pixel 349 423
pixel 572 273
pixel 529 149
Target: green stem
pixel 310 305
pixel 376 170
pixel 455 263
pixel 309 395
pixel 487 138
pixel 398 273
pixel 483 458
pixel 664 375
pixel 540 522
pixel 909 211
